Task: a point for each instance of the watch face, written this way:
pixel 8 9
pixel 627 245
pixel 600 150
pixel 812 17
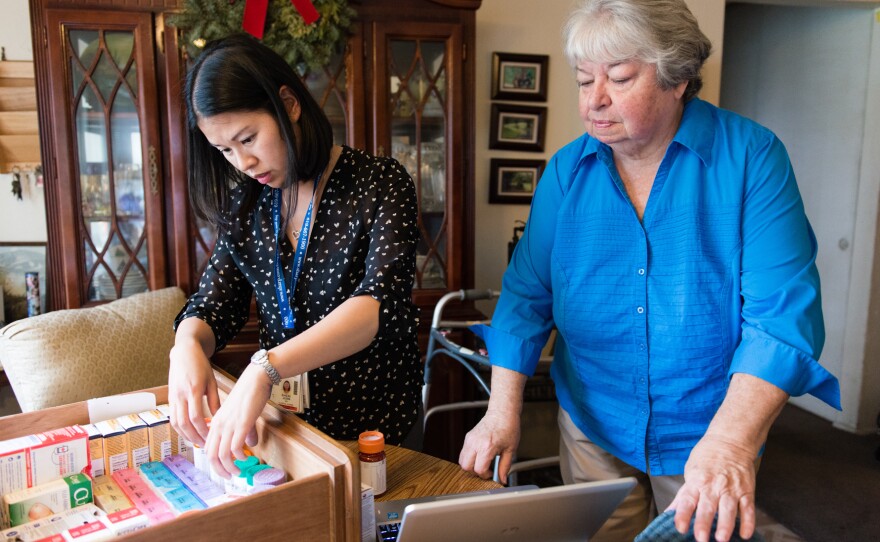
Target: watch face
pixel 258 355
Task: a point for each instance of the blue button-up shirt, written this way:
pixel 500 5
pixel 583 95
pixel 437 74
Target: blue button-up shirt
pixel 654 316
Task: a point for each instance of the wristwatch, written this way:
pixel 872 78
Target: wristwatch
pixel 261 358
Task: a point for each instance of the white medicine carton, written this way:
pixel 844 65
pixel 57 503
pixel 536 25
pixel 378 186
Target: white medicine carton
pixel 41 458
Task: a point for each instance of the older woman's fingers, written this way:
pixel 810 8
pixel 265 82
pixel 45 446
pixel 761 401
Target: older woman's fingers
pixel 705 515
pixel 685 504
pixel 727 508
pixel 746 516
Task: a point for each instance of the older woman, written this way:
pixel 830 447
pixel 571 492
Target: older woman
pixel 670 248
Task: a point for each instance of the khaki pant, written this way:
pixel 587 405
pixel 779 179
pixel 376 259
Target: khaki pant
pixel 582 461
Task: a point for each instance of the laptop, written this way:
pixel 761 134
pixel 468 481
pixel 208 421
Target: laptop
pixel 565 513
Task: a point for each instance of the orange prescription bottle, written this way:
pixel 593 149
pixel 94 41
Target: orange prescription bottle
pixel 371 447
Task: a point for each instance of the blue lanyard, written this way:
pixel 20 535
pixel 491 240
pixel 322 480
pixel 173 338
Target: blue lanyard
pixel 288 319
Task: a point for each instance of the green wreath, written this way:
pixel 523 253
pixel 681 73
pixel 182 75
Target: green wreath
pixel 285 32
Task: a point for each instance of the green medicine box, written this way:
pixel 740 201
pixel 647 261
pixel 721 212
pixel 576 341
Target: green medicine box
pixel 47 499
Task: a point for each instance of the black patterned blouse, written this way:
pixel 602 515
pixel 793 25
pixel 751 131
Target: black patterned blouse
pixel 363 242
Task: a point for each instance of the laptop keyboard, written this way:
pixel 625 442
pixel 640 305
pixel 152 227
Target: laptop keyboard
pixel 388 532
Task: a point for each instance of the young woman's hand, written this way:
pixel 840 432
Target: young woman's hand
pixel 190 382
pixel 234 424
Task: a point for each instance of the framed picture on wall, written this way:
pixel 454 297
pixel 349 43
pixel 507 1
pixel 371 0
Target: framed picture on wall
pixel 517 127
pixel 519 77
pixel 513 180
pixel 18 263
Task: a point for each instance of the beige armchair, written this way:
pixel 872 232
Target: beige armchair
pixel 73 355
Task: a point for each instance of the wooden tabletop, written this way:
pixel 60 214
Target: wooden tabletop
pixel 414 474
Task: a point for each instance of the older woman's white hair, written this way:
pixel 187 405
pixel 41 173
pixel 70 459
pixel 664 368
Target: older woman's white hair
pixel 660 32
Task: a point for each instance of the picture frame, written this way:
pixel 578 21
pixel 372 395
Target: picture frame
pixel 16 259
pixel 517 127
pixel 513 180
pixel 519 77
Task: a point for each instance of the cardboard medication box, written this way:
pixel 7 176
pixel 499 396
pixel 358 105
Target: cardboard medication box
pixel 96 449
pixel 50 453
pixel 30 458
pixel 116 452
pixel 178 443
pixel 137 439
pixel 159 433
pixel 321 502
pixel 33 503
pixel 86 523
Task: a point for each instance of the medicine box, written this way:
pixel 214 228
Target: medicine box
pixel 96 449
pixel 179 444
pixel 368 514
pixel 31 459
pixel 322 502
pixel 52 525
pixel 116 453
pixel 138 439
pixel 38 502
pixel 159 430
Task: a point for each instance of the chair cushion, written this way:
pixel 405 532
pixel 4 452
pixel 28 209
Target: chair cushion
pixel 72 355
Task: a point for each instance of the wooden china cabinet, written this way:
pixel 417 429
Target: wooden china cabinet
pixel 109 77
pixel 412 64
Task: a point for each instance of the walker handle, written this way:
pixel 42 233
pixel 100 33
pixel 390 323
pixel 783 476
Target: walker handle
pixel 475 294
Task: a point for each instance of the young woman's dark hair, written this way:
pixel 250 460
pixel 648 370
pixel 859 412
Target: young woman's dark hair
pixel 238 73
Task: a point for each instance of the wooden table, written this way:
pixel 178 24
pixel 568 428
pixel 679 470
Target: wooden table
pixel 414 474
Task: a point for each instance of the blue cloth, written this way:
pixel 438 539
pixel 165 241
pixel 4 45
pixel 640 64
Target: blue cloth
pixel 655 316
pixel 662 529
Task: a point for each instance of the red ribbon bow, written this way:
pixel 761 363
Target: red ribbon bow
pixel 254 22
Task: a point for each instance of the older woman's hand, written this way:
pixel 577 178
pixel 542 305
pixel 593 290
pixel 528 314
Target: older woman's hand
pixel 719 478
pixel 234 425
pixel 497 434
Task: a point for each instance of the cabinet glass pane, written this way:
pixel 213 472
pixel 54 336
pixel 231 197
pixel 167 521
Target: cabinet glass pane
pixel 121 47
pixel 418 105
pixel 110 162
pixel 329 87
pixel 205 236
pixel 127 160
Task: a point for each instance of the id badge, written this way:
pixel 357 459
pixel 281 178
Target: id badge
pixel 305 390
pixel 292 393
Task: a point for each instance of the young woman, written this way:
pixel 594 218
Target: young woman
pixel 324 237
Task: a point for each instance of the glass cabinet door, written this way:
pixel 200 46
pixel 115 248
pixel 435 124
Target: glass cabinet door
pixel 418 107
pixel 114 157
pixel 329 86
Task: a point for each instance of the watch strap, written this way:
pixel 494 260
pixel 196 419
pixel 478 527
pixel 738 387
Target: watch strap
pixel 261 358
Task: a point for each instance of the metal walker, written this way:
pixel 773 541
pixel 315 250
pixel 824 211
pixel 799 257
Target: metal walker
pixel 439 344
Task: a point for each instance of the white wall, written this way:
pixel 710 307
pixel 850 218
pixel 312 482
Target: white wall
pixel 23 220
pixel 526 26
pixel 831 132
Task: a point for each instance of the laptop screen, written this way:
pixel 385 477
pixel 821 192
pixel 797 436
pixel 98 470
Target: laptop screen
pixel 553 514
